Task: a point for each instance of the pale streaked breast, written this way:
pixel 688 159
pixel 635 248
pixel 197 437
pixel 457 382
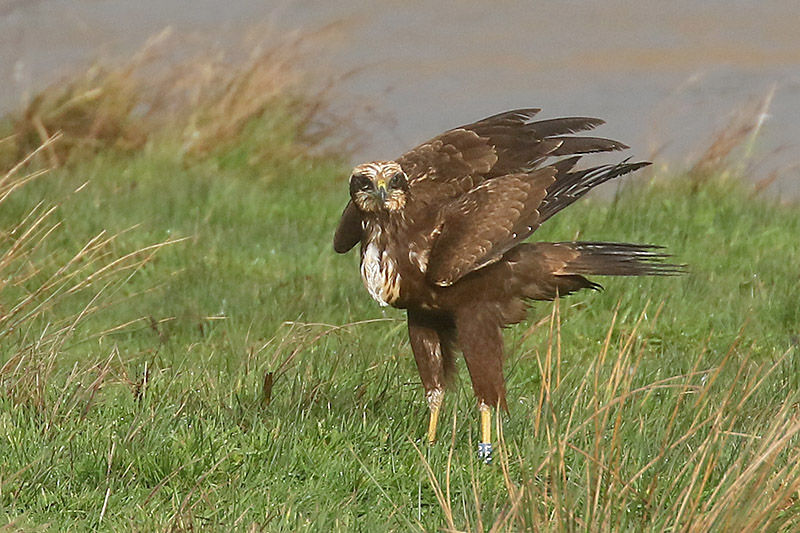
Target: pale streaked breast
pixel 380 276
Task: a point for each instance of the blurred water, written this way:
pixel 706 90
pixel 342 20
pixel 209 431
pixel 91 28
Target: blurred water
pixel 665 75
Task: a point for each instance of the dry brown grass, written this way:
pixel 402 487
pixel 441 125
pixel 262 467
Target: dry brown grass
pixel 197 97
pixel 730 147
pixel 33 285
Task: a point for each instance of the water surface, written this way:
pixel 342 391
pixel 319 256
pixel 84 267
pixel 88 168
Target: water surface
pixel 665 75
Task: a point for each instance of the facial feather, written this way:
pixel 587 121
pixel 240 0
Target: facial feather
pixel 379 186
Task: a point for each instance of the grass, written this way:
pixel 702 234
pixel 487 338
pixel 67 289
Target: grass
pixel 214 365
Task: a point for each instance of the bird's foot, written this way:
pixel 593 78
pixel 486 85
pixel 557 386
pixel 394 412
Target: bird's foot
pixel 434 397
pixel 485 452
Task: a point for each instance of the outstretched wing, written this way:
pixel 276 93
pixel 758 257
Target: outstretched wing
pixel 476 229
pixel 460 159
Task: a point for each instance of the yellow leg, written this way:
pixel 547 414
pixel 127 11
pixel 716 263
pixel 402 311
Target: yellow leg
pixel 435 398
pixel 485 445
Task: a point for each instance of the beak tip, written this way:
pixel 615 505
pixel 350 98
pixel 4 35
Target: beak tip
pixel 383 193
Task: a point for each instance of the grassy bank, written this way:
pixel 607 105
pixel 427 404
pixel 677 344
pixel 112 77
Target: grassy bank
pixel 208 362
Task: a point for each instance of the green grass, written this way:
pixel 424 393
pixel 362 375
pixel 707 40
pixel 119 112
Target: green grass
pixel 656 404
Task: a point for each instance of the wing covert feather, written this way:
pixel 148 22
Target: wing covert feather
pixel 476 229
pixel 454 153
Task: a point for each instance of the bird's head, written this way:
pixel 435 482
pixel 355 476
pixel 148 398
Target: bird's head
pixel 379 186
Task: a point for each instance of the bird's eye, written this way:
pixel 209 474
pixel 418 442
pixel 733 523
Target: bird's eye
pixel 359 182
pixel 398 180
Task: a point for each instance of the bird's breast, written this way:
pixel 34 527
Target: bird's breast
pixel 380 274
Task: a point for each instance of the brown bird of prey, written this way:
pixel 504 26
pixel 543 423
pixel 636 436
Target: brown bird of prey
pixel 443 229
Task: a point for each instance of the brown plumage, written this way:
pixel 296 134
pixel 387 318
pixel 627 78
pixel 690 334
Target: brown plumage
pixel 442 233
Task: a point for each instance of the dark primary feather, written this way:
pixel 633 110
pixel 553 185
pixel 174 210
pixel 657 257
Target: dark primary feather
pixel 585 145
pixel 562 126
pixel 569 186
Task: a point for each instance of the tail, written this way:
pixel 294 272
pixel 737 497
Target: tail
pixel 544 270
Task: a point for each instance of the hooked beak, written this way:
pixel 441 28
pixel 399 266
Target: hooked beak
pixel 383 192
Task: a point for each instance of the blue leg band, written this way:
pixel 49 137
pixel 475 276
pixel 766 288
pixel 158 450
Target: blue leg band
pixel 485 452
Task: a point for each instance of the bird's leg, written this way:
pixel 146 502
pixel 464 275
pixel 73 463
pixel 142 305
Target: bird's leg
pixel 481 339
pixel 431 342
pixel 435 398
pixel 485 444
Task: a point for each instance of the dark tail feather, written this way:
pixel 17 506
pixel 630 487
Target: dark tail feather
pixel 620 259
pixel 544 270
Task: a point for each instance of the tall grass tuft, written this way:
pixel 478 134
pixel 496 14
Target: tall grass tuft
pixel 731 148
pixel 45 301
pixel 616 451
pixel 200 98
